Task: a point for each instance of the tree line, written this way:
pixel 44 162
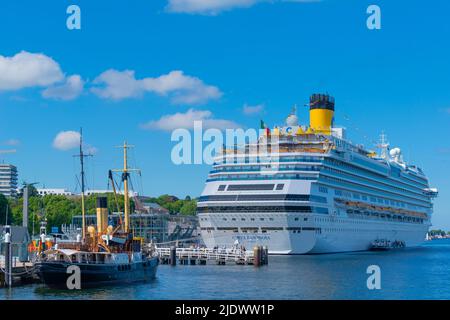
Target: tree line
pixel 59 209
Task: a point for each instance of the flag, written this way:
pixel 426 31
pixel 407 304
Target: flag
pixel 262 125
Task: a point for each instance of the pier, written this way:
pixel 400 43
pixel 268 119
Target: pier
pixel 185 256
pixel 21 272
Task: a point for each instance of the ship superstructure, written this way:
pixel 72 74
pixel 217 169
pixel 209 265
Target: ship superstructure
pixel 307 189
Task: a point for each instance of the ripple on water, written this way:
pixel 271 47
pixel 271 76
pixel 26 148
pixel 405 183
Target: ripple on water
pixel 416 273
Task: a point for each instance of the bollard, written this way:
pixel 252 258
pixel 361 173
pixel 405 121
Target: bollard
pixel 8 260
pixel 257 256
pixel 266 255
pixel 173 256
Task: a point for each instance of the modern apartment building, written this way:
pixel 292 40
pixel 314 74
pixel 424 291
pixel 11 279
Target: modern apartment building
pixel 8 180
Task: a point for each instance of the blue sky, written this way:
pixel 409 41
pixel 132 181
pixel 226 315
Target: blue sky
pixel 171 56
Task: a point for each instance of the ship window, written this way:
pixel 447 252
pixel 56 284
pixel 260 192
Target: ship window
pixel 280 186
pixel 250 187
pixel 222 187
pixel 323 189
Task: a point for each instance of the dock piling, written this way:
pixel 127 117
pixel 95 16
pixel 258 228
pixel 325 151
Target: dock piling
pixel 173 256
pixel 8 260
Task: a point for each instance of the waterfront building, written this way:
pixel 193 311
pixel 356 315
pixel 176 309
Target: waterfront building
pixel 149 226
pixel 131 194
pixel 54 191
pixel 8 180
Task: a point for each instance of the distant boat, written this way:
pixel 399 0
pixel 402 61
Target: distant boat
pixel 104 255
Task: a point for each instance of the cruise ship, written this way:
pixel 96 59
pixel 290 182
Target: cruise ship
pixel 306 189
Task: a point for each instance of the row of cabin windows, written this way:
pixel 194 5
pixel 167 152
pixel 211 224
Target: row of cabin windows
pixel 262 159
pixel 358 196
pixel 353 168
pixel 416 193
pixel 262 168
pixel 276 176
pixel 259 209
pixel 263 197
pixel 262 229
pixel 250 187
pixel 356 185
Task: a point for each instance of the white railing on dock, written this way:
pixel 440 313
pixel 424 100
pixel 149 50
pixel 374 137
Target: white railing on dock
pixel 203 254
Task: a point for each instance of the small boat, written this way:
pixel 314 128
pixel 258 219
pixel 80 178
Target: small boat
pixel 384 244
pixel 103 255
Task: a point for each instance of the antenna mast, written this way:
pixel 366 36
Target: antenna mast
pixel 383 145
pixel 125 176
pixel 81 155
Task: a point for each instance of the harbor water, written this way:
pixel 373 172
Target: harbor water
pixel 415 273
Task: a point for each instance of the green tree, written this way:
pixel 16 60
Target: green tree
pixel 59 210
pixel 189 208
pixel 4 208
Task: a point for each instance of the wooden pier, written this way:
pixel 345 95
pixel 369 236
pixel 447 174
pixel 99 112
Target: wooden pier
pixel 22 272
pixel 201 256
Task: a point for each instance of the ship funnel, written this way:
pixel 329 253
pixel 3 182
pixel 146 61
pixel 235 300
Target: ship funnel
pixel 321 113
pixel 102 214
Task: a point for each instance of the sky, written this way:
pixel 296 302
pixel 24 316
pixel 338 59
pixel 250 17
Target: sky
pixel 138 69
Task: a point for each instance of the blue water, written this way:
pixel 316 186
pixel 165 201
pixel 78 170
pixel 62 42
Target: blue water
pixel 416 273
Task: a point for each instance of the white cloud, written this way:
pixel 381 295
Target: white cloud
pixel 253 110
pixel 179 87
pixel 69 90
pixel 117 85
pixel 66 140
pixel 210 7
pixel 214 7
pixel 28 70
pixel 186 120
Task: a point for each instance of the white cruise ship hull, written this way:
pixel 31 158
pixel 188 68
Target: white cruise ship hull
pixel 341 237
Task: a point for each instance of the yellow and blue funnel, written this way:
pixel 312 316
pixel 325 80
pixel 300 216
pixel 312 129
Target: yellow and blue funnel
pixel 321 113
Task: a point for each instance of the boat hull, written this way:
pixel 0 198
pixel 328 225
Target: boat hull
pixel 314 236
pixel 55 274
